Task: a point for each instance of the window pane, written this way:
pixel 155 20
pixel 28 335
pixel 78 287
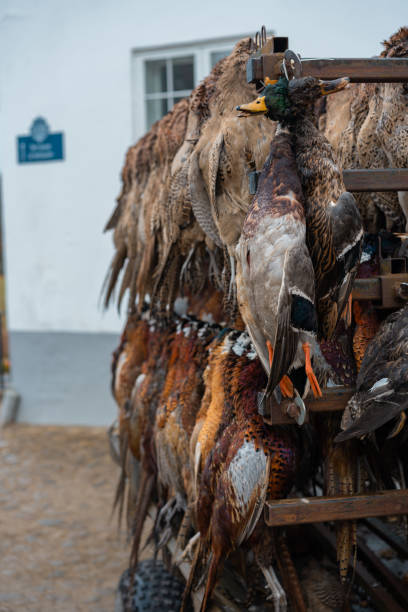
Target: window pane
pixel 215 56
pixel 156 76
pixel 155 109
pixel 183 73
pixel 178 99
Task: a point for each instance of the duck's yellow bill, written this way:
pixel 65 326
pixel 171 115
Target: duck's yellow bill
pixel 329 87
pixel 257 106
pixel 268 81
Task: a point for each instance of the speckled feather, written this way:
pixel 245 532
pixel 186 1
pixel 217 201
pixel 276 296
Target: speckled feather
pixel 248 460
pixel 382 383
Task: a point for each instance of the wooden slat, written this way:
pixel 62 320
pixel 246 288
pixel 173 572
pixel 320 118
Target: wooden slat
pixel 320 509
pixel 382 599
pixel 384 531
pixel 382 179
pixel 378 567
pixel 360 180
pixel 367 289
pixel 359 70
pixel 334 399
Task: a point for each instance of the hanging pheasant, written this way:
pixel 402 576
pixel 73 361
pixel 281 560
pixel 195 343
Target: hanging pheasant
pixel 376 137
pixel 239 461
pixel 184 185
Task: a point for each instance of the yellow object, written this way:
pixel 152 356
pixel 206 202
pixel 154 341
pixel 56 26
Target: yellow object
pixel 269 81
pixel 257 106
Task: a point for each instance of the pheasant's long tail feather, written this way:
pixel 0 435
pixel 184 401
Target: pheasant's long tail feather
pixel 191 576
pixel 341 481
pixel 113 274
pixel 142 506
pixel 211 580
pixel 120 492
pixel 289 575
pixel 182 535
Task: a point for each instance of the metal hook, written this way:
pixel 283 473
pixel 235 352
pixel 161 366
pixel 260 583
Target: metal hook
pixel 263 36
pixel 301 405
pixel 285 70
pixel 292 60
pixel 257 40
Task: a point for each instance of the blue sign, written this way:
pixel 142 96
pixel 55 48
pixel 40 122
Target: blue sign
pixel 41 145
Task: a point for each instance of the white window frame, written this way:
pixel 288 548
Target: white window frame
pixel 201 51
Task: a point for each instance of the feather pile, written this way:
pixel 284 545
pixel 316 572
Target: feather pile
pixel 186 231
pixel 376 136
pixel 188 414
pixel 185 193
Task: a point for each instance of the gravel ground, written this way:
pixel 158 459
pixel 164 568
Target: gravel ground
pixel 59 550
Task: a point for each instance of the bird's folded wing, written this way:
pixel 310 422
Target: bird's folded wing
pixel 286 338
pixel 200 202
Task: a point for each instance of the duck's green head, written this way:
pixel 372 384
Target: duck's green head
pixel 286 100
pixel 274 102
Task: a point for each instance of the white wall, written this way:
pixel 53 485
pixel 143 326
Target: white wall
pixel 69 61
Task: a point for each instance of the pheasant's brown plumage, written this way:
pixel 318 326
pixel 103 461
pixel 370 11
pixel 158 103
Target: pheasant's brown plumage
pixel 248 460
pixel 376 137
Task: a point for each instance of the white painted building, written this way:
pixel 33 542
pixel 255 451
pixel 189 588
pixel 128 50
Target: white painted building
pixel 88 67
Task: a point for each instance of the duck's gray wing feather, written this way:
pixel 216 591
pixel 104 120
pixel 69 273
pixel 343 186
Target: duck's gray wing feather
pixel 347 235
pixel 296 312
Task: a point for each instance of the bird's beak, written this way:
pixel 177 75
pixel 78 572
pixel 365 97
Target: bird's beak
pixel 329 87
pixel 255 107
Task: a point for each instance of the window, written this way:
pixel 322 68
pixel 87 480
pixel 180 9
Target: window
pixel 164 75
pixel 166 82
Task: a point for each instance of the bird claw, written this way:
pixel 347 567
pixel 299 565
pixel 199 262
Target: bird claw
pixel 398 427
pixel 169 510
pixel 277 594
pixel 189 550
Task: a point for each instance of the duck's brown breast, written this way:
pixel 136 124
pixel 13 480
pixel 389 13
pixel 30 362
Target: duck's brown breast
pixel 279 192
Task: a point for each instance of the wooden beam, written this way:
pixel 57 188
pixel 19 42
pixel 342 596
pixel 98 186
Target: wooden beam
pixel 378 567
pixel 382 599
pixel 367 289
pixel 319 509
pixel 333 400
pixel 384 531
pixel 360 180
pixel 381 179
pixel 359 70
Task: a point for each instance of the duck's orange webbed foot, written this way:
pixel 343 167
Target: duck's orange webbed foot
pixel 309 371
pixel 286 387
pixel 270 352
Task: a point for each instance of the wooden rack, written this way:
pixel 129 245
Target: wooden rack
pixel 360 180
pixel 359 70
pixel 389 290
pixel 303 510
pixel 268 63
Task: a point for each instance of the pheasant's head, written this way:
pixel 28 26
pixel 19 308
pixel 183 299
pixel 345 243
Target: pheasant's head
pixel 286 100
